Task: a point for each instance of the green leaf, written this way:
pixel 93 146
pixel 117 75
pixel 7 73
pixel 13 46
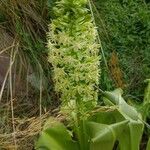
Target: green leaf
pixel 147 92
pixel 131 137
pixel 56 138
pixel 104 136
pixel 107 117
pixel 148 145
pixel 115 97
pixel 132 134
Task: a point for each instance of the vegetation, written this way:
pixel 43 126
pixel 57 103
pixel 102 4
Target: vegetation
pixel 124 29
pixel 58 78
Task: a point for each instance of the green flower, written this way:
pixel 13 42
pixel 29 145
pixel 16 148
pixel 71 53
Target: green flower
pixel 74 55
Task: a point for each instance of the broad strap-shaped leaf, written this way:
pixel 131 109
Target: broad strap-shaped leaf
pixel 56 138
pixel 146 102
pixel 147 92
pixel 115 97
pixel 131 137
pixel 107 117
pixel 148 145
pixel 104 136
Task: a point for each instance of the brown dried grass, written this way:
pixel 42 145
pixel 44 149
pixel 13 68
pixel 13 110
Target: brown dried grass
pixel 26 132
pixel 21 113
pixel 21 110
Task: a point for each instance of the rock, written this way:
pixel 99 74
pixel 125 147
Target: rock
pixel 5 42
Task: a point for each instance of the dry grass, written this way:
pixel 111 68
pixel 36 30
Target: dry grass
pixel 22 29
pixel 20 121
pixel 32 15
pixel 26 131
pixel 21 112
pixel 21 118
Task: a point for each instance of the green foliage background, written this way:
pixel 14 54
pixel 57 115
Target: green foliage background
pixel 124 27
